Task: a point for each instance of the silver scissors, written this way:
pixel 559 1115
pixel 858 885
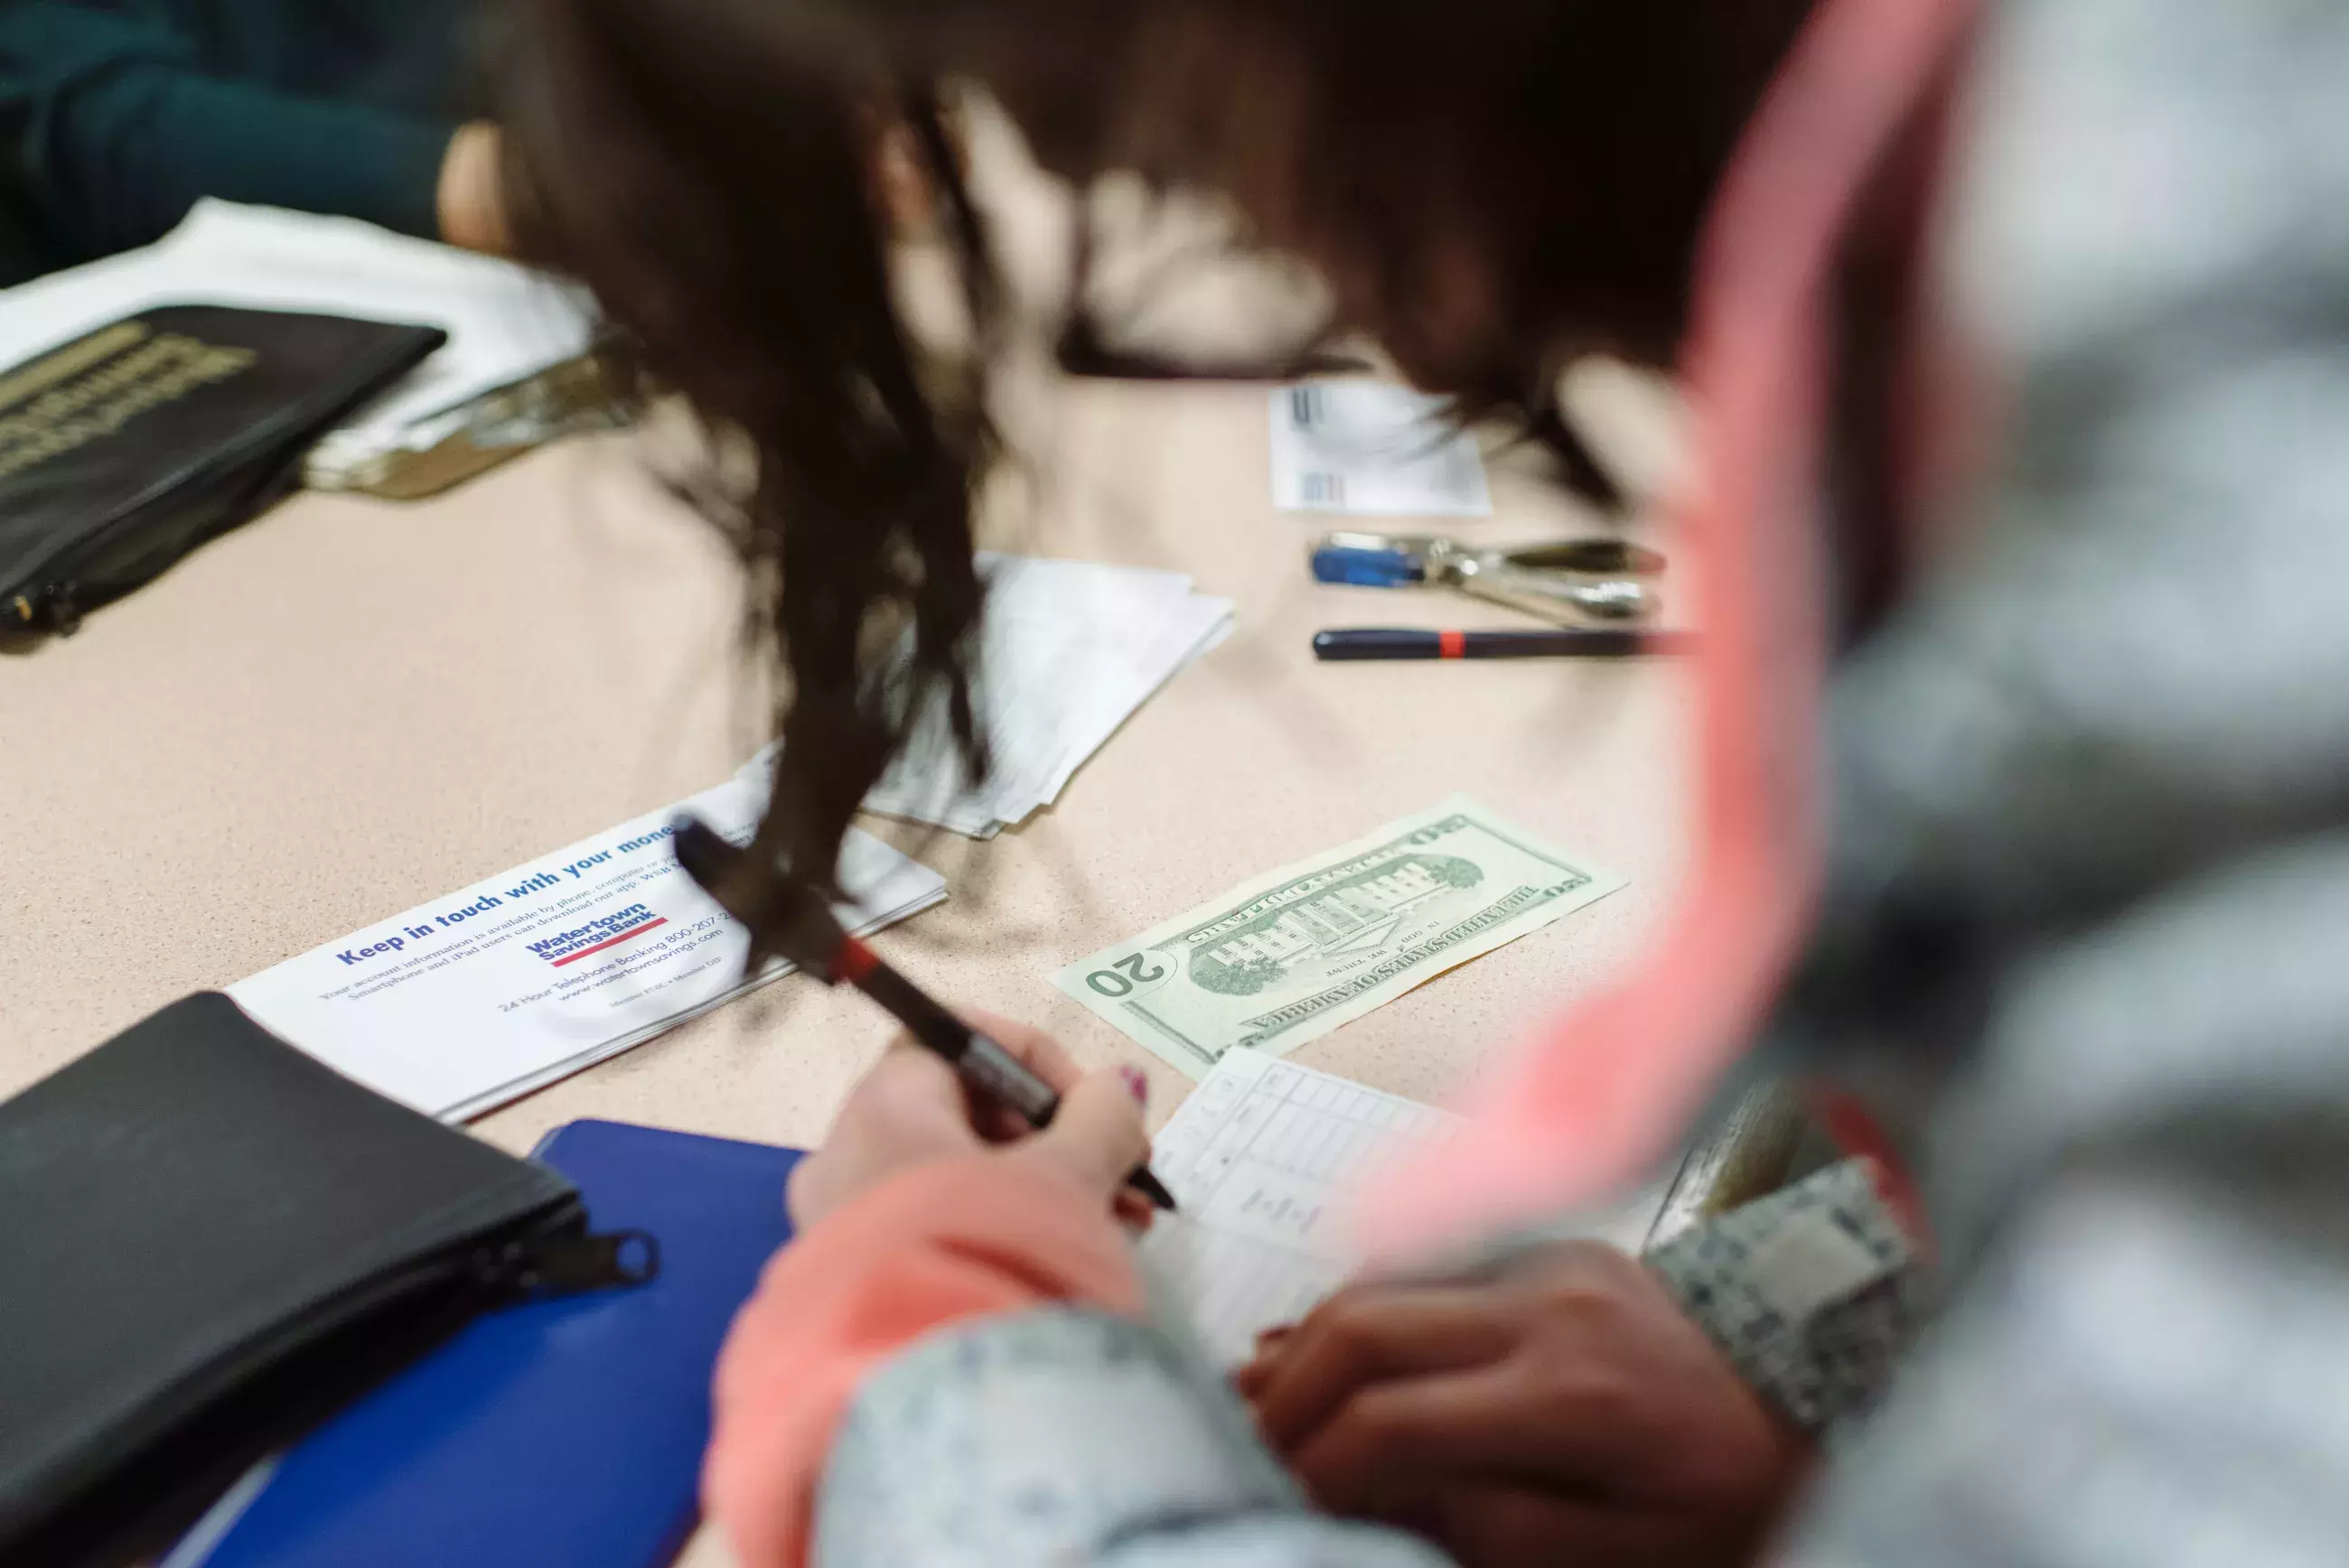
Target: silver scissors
pixel 1598 578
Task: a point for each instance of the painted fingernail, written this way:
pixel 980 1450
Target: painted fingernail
pixel 1137 1084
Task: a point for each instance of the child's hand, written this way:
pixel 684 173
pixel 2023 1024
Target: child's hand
pixel 911 1109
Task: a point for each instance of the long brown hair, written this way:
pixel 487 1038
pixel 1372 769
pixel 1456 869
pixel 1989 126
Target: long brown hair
pixel 1489 185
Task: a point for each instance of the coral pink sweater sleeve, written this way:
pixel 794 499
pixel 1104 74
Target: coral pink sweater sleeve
pixel 939 1244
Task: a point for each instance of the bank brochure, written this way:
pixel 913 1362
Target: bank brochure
pixel 467 1002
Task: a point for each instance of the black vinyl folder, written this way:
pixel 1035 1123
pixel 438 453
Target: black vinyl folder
pixel 208 1241
pixel 125 448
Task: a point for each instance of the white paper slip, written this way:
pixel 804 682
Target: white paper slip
pixel 458 1006
pixel 1262 1158
pixel 1369 449
pixel 1069 650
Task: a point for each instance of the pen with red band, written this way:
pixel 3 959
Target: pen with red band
pixel 1354 643
pixel 796 922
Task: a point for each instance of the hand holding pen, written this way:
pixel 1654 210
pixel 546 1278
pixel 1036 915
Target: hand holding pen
pixel 1006 1092
pixel 911 1109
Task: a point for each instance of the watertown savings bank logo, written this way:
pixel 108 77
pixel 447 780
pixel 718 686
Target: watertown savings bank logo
pixel 605 931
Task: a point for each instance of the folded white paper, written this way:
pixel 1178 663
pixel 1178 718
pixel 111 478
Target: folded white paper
pixel 1071 648
pixel 463 1004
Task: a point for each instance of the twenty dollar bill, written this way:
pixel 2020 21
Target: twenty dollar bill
pixel 1288 957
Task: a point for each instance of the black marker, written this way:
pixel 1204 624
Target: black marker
pixel 1565 642
pixel 795 923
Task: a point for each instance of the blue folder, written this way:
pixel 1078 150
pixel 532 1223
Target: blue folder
pixel 567 1432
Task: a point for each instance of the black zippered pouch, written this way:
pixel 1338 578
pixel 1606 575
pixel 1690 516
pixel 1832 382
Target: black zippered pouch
pixel 208 1241
pixel 125 448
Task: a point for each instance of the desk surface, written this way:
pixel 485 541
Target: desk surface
pixel 349 707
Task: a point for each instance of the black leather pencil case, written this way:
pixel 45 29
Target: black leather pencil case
pixel 209 1240
pixel 125 448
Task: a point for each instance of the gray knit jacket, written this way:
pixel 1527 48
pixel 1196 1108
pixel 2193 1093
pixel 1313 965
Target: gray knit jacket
pixel 2086 918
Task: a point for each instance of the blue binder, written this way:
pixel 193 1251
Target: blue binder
pixel 566 1433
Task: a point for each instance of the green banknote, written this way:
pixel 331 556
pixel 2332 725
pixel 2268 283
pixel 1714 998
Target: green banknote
pixel 1288 957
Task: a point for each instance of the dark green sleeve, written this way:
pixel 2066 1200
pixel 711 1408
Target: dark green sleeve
pixel 117 134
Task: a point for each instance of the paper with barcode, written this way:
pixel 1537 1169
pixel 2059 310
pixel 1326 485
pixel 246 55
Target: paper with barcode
pixel 1369 449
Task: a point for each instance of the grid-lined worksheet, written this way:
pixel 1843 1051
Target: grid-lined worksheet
pixel 1259 1157
pixel 1262 1158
